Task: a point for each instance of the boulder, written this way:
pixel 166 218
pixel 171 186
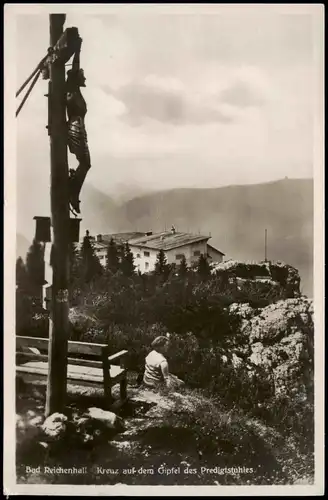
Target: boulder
pixel 55 426
pixel 85 429
pixel 95 424
pixel 279 320
pixel 242 311
pixel 110 419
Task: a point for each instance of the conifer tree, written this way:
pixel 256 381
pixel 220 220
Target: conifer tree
pixel 112 257
pixel 35 268
pixel 127 265
pixel 21 274
pixel 161 266
pixel 90 264
pixel 74 263
pixel 183 268
pixel 120 252
pixel 203 268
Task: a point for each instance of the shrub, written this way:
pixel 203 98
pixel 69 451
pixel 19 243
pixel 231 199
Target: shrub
pixel 31 319
pixel 226 437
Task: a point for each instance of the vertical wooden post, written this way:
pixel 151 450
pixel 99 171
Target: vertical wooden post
pixel 58 335
pixel 106 376
pixel 265 245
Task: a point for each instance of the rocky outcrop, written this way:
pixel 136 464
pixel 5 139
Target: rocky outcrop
pixel 279 339
pixel 279 320
pixel 277 276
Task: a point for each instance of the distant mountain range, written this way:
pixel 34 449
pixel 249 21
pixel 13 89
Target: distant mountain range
pixel 235 216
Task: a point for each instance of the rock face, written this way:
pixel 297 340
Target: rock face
pixel 279 339
pixel 276 339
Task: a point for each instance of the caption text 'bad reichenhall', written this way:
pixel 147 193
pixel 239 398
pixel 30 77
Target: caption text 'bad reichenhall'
pixel 162 470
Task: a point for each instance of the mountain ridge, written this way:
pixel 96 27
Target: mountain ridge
pixel 236 216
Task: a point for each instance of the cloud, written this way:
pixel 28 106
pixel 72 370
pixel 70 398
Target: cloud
pixel 242 95
pixel 247 87
pixel 166 101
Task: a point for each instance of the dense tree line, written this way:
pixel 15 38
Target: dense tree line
pixel 87 277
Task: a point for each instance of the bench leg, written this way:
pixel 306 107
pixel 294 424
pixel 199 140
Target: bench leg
pixel 107 384
pixel 123 393
pixel 108 396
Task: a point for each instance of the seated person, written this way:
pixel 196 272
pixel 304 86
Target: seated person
pixel 157 373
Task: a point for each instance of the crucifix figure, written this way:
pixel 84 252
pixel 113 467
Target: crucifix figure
pixel 76 132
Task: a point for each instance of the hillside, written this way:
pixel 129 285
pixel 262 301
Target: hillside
pixel 241 414
pixel 100 211
pixel 236 217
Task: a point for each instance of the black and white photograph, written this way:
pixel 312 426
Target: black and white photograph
pixel 164 249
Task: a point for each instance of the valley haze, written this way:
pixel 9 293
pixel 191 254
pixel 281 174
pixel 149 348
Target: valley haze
pixel 236 217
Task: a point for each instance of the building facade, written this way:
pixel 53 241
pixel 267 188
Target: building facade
pixel 145 247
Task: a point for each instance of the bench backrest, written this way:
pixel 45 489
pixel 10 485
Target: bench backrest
pixel 74 348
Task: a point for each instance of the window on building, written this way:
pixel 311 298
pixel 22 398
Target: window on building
pixel 179 256
pixel 138 255
pixel 146 254
pixel 196 253
pixel 146 265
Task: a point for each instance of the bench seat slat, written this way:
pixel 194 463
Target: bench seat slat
pixel 70 361
pixel 74 372
pixel 34 377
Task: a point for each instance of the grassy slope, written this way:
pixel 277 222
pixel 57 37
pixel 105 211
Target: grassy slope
pixel 170 431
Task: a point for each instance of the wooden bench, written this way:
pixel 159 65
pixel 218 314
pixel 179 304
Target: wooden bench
pixel 87 364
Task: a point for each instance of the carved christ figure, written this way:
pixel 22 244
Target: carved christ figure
pixel 76 133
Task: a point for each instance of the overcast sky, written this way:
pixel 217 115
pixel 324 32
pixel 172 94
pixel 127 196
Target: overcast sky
pixel 181 100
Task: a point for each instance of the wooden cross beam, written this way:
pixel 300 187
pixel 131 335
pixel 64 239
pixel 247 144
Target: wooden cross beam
pixel 67 45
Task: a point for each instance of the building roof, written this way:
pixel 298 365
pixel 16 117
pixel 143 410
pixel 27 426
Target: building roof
pixel 117 237
pixel 121 237
pixel 157 241
pixel 100 244
pixel 215 249
pixel 167 240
